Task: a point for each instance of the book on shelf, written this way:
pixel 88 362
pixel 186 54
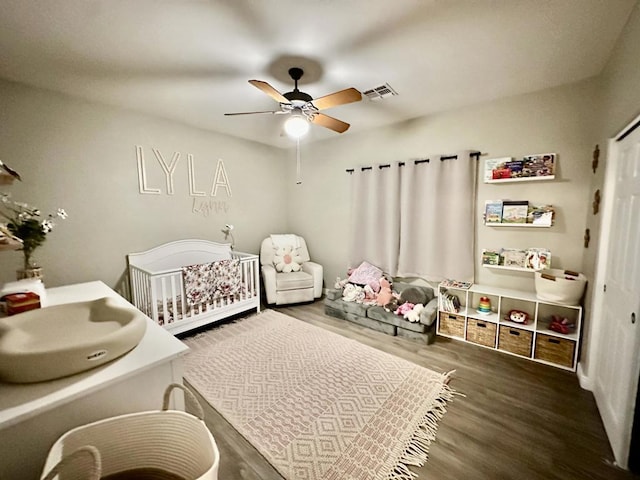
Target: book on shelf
pixel 449 302
pixel 513 257
pixel 538 259
pixel 515 168
pixel 539 165
pixel 529 259
pixel 515 211
pixel 493 211
pixel 456 284
pixel 495 168
pixel 541 215
pixel 490 257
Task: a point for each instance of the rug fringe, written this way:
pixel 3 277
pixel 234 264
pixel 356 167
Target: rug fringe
pixel 417 450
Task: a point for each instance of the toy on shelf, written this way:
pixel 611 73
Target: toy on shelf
pixel 484 306
pixel 561 325
pixel 517 316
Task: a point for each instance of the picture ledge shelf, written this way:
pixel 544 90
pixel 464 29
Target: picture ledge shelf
pixel 517 225
pixel 517 269
pixel 521 179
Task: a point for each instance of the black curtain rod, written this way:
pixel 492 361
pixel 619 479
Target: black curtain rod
pixel 416 162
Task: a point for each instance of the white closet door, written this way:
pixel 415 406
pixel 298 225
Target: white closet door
pixel 618 358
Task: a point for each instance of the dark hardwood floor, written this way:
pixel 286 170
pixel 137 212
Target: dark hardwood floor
pixel 517 419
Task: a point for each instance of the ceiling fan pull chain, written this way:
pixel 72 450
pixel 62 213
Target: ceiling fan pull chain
pixel 298 167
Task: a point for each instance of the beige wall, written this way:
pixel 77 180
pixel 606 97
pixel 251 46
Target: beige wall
pixel 617 105
pixel 81 156
pixel 559 120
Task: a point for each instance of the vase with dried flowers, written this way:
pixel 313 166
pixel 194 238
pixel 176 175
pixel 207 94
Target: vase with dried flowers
pixel 29 225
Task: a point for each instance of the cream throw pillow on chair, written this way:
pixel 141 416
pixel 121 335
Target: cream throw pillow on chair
pixel 287 259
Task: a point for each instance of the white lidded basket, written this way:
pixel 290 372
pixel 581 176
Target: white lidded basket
pixel 170 443
pixel 560 286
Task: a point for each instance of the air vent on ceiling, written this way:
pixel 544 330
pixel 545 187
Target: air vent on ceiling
pixel 383 91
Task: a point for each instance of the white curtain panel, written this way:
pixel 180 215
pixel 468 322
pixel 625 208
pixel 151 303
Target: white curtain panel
pixel 437 227
pixel 416 220
pixel 375 217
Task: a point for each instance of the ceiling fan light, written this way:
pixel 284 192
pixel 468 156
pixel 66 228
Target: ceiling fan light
pixel 296 126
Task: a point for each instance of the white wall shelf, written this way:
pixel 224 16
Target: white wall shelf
pixel 521 179
pixel 515 269
pixel 517 225
pixel 533 340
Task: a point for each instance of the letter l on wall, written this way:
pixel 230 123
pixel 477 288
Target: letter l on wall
pixel 142 174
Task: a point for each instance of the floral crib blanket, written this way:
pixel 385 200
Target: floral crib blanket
pixel 207 282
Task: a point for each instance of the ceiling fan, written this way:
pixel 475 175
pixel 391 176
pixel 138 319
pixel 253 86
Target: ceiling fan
pixel 303 108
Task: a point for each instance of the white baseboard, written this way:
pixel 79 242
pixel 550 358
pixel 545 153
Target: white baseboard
pixel 585 380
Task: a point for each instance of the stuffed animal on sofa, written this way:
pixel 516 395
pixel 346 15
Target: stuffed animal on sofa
pixel 411 295
pixel 384 294
pixel 403 309
pixel 370 297
pixel 414 314
pixel 353 293
pixel 340 283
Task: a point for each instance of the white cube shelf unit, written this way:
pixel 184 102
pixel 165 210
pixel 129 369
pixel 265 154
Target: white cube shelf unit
pixel 533 340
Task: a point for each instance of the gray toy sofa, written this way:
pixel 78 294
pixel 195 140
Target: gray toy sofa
pixel 377 318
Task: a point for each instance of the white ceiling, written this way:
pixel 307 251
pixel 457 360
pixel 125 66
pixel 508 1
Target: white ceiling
pixel 190 60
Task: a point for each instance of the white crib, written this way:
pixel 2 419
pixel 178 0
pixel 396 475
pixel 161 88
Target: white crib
pixel 157 287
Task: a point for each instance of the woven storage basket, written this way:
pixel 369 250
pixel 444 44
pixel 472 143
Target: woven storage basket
pixel 169 443
pixel 451 324
pixel 481 332
pixel 555 350
pixel 515 340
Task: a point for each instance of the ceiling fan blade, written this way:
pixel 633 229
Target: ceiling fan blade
pixel 272 112
pixel 342 97
pixel 269 90
pixel 330 123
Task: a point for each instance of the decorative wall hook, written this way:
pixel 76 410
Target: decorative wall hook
pixel 596 202
pixel 596 158
pixel 587 238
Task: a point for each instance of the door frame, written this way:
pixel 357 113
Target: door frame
pixel 597 301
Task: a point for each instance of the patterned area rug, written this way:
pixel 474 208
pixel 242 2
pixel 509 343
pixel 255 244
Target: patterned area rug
pixel 318 405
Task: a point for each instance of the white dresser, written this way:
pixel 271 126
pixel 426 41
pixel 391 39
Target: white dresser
pixel 33 416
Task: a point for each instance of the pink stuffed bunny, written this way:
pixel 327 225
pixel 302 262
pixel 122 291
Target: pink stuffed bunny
pixel 404 308
pixel 385 294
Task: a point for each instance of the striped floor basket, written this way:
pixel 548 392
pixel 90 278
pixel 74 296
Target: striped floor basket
pixel 154 445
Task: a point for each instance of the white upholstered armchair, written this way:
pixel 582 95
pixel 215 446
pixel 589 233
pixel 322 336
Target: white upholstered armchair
pixel 288 273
